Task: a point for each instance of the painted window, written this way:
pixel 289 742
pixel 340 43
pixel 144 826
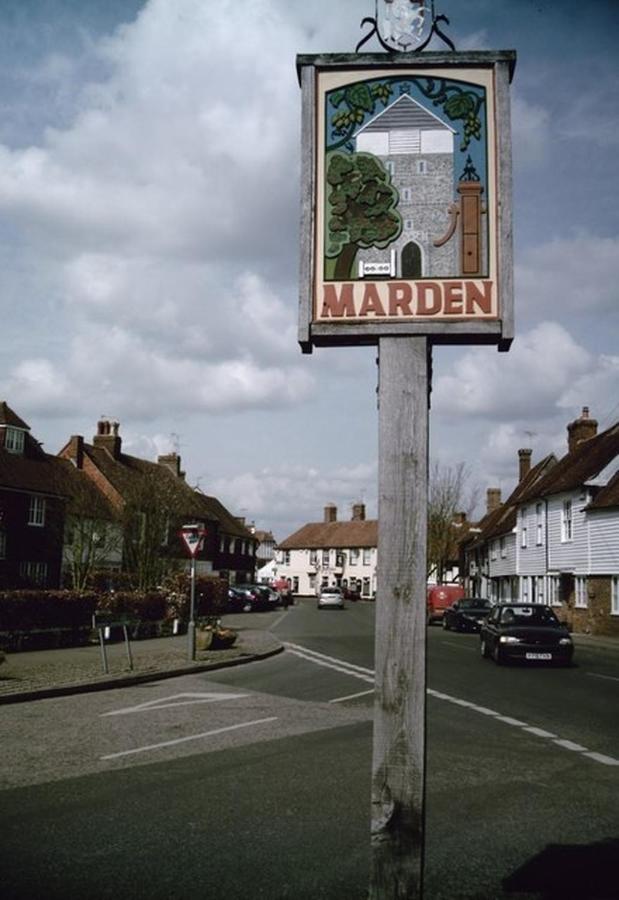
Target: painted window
pixel 566 521
pixel 411 260
pixel 406 195
pixel 36 511
pixel 390 167
pixel 614 596
pixel 422 167
pixel 580 592
pixel 14 440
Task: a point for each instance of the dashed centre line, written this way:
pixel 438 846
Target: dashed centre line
pixel 364 674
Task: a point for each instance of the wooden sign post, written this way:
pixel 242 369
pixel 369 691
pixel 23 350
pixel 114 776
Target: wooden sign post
pixel 406 243
pixel 398 765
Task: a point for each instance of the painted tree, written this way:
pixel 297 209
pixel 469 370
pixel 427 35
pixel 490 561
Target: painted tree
pixel 361 209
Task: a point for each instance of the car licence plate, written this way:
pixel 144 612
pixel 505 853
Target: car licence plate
pixel 538 656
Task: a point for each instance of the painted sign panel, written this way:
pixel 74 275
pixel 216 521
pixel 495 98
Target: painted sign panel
pixel 407 225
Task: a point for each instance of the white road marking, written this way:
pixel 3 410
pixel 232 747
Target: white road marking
pixel 339 665
pixel 352 696
pixel 191 737
pixel 174 700
pixel 608 677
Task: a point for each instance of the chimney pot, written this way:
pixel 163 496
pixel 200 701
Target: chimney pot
pixel 524 462
pixel 330 512
pixel 493 499
pixel 582 429
pixel 358 512
pixel 104 438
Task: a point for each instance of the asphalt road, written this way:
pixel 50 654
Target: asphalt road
pixel 255 781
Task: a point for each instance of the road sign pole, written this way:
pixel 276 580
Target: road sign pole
pixel 191 628
pixel 398 764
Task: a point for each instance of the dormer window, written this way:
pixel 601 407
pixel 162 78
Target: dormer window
pixel 14 440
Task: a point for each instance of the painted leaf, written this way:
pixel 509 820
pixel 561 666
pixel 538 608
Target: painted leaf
pixel 359 95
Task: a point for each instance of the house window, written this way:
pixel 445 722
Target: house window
pixel 503 548
pixel 525 589
pixel 523 528
pixel 325 557
pixel 553 590
pixel 14 440
pixel 493 550
pixel 614 596
pixel 313 557
pixel 367 556
pixel 354 556
pixel 539 590
pixel 566 521
pixel 312 582
pixel 539 524
pixel 580 592
pixel 365 590
pixel 36 511
pixel 295 584
pixel 35 572
pixel 286 557
pixel 2 544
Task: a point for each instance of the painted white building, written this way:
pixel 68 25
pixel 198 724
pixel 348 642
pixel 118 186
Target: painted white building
pixel 331 553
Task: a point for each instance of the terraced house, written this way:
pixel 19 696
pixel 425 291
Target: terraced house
pixel 331 553
pixel 556 539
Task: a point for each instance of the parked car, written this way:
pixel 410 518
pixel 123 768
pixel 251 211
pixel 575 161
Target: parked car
pixel 251 597
pixel 467 614
pixel 330 598
pixel 439 597
pixel 527 632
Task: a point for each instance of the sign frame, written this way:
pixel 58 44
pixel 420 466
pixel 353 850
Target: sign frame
pixel 186 532
pixel 314 71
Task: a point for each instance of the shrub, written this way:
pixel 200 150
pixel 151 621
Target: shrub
pixel 211 595
pixel 38 609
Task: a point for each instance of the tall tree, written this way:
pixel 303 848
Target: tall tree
pixel 361 208
pixel 450 493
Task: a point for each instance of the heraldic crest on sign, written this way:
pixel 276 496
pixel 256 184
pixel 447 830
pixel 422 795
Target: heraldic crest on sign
pixel 405 25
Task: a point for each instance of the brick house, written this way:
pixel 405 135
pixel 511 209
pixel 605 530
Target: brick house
pixel 43 500
pixel 154 501
pixel 331 553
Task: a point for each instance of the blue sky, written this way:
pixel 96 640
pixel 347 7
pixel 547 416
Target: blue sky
pixel 149 160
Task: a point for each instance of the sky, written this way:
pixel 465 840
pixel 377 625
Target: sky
pixel 149 244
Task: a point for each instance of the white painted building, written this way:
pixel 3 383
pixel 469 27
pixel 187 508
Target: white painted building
pixel 331 553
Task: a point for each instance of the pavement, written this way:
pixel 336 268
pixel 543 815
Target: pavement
pixel 38 674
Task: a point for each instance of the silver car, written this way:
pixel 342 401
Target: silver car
pixel 330 598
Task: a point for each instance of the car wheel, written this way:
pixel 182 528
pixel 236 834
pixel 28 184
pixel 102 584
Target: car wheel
pixel 445 624
pixel 247 607
pixel 483 648
pixel 497 656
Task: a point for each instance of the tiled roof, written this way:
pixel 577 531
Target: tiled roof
pixel 325 535
pixel 503 520
pixel 608 496
pixel 578 467
pixel 229 523
pixel 53 477
pixel 8 417
pixel 133 477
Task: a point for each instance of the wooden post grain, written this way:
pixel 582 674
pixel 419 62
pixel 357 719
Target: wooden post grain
pixel 398 763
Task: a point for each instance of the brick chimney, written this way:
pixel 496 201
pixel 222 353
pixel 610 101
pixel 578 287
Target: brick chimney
pixel 358 512
pixel 330 512
pixel 75 451
pixel 581 429
pixel 171 461
pixel 108 438
pixel 493 499
pixel 459 519
pixel 524 462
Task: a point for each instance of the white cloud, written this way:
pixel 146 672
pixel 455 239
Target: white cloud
pixel 295 495
pixel 525 385
pixel 531 130
pixel 578 274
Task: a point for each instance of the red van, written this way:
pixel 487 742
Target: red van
pixel 439 597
